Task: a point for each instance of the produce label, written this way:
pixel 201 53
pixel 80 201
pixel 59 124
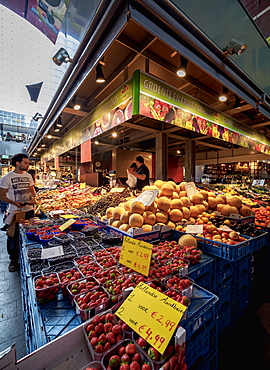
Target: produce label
pixel 67 224
pixel 152 315
pixel 82 185
pixel 52 252
pixel 117 190
pixel 69 216
pixel 194 229
pixel 136 254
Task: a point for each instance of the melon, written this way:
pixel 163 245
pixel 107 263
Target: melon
pixel 186 212
pixel 161 217
pixel 117 212
pixel 172 183
pixel 234 210
pixel 164 203
pixel 220 200
pixel 177 189
pixel 176 203
pixel 187 240
pixel 197 198
pixel 194 212
pixel 182 193
pixel 152 207
pixel 170 224
pixel 223 197
pixel 211 194
pixel 149 218
pixel 219 207
pixel 245 211
pixel 175 215
pixel 117 223
pixel 234 201
pixel 127 205
pixel 182 185
pixel 201 208
pixel 206 205
pixel 167 189
pixel 110 220
pixel 226 210
pixel 212 202
pixel 185 201
pixel 175 195
pixel 109 212
pixel 135 220
pixel 125 217
pixel 137 207
pixel 158 183
pixel 204 193
pixel 124 227
pixel 146 228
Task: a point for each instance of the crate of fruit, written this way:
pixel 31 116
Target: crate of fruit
pixel 46 288
pixel 205 267
pixel 90 303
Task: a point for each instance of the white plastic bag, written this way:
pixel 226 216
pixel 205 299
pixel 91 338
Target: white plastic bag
pixel 131 181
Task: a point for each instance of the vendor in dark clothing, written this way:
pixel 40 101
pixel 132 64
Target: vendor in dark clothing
pixel 142 173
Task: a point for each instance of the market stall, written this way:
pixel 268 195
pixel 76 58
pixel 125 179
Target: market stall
pixel 209 274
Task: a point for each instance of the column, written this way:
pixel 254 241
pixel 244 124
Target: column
pixel 161 156
pixel 190 160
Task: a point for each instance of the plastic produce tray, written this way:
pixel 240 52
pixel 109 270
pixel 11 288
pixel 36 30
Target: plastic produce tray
pixel 204 268
pixel 261 240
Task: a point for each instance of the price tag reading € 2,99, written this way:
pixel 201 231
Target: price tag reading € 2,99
pixel 152 315
pixel 67 224
pixel 136 254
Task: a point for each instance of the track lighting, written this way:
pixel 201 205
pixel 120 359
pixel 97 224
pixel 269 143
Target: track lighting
pixel 61 57
pixel 37 116
pixel 43 145
pixel 224 96
pixel 182 71
pixel 75 104
pixel 234 47
pixel 99 74
pixel 56 128
pixel 59 122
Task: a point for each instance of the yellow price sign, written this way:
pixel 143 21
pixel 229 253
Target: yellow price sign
pixel 67 224
pixel 152 315
pixel 82 185
pixel 136 254
pixel 69 216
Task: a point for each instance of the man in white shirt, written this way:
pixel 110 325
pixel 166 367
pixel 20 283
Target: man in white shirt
pixel 17 189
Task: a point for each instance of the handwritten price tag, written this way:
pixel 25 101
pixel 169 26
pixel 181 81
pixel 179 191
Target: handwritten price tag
pixel 152 315
pixel 194 229
pixel 67 224
pixel 52 252
pixel 82 185
pixel 136 254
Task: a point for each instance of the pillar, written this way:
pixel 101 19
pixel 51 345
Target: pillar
pixel 190 160
pixel 161 156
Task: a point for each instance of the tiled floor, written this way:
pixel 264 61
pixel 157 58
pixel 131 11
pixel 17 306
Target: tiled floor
pixel 11 315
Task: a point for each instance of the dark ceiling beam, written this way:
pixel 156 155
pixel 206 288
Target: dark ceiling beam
pixel 74 112
pixel 261 124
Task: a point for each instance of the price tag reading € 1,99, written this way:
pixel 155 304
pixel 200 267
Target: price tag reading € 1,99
pixel 67 224
pixel 152 315
pixel 136 254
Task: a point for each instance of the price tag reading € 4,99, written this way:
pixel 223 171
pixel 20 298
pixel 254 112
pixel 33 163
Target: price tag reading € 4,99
pixel 136 254
pixel 152 315
pixel 67 224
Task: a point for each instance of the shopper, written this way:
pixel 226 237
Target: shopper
pixel 33 174
pixel 17 189
pixel 132 180
pixel 142 173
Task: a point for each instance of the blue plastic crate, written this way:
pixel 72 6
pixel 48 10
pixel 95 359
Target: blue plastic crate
pixel 241 303
pixel 210 363
pixel 225 319
pixel 205 267
pixel 225 251
pixel 243 266
pixel 225 294
pixel 221 265
pixel 202 310
pixel 261 240
pixel 207 282
pixel 222 278
pixel 242 283
pixel 199 347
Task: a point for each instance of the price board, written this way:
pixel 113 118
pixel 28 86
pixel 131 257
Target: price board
pixel 67 224
pixel 152 315
pixel 52 252
pixel 194 229
pixel 136 254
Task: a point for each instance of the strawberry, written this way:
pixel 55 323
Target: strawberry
pixel 134 366
pixel 99 348
pixel 153 353
pixel 114 361
pixel 107 327
pixel 116 329
pixel 110 338
pixel 131 349
pixel 146 367
pixel 141 342
pixel 124 367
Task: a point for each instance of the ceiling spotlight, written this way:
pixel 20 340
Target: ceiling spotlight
pixel 178 152
pixel 182 70
pixel 234 47
pixel 114 134
pixel 49 136
pixel 39 149
pixel 99 74
pixel 96 142
pixel 59 122
pixel 61 57
pixel 43 145
pixel 75 104
pixel 56 128
pixel 224 96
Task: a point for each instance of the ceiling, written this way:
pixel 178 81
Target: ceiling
pixel 137 48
